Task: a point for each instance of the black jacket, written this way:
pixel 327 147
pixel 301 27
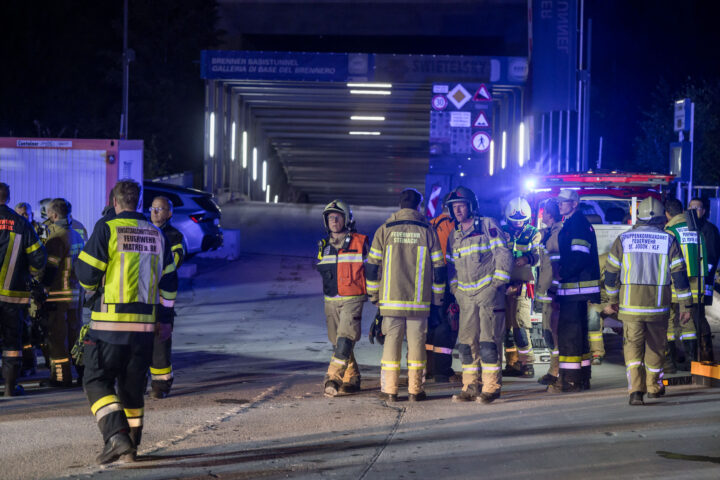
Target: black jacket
pixel 712 242
pixel 175 240
pixel 579 265
pixel 21 253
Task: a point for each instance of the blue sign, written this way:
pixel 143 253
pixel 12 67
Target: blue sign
pixel 554 55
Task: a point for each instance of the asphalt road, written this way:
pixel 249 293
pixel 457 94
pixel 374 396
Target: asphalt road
pixel 250 351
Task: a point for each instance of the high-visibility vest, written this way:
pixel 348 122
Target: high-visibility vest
pixel 343 270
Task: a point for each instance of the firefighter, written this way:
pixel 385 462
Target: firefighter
pixel 479 264
pixel 127 267
pixel 547 285
pixel 405 275
pixel 442 330
pixel 524 241
pixel 596 320
pixel 76 224
pixel 24 209
pixel 341 257
pixel 579 284
pixel 63 247
pixel 642 264
pixel 685 332
pixel 22 255
pixel 161 373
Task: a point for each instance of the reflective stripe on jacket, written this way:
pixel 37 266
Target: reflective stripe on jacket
pixel 527 243
pixel 21 254
pixel 478 258
pixel 343 269
pixel 405 270
pixel 688 241
pixel 642 264
pixel 128 257
pixel 579 266
pixel 549 265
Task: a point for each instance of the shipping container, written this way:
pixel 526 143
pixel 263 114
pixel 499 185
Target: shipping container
pixel 80 170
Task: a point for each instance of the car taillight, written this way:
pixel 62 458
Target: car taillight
pixel 197 218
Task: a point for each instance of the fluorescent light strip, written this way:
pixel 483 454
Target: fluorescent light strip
pixel 254 163
pixel 369 85
pixel 276 198
pixel 503 154
pixel 363 133
pixel 267 194
pixel 244 149
pixel 521 144
pixel 264 184
pixel 232 143
pixel 211 146
pixel 370 92
pixel 367 118
pixel 492 157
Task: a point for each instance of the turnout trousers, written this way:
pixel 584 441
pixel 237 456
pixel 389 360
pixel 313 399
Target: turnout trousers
pixel 11 324
pixel 573 344
pixel 518 344
pixel 550 317
pixel 343 317
pixel 595 333
pixel 114 381
pixel 63 330
pixel 395 329
pixel 479 335
pixel 644 350
pixel 161 373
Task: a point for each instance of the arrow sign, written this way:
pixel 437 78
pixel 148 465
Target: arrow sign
pixel 481 121
pixel 482 94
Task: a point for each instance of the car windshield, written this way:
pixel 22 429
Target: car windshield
pixel 606 210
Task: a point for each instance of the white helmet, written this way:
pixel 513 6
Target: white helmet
pixel 518 210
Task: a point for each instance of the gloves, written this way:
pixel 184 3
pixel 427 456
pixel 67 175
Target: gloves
pixel 376 330
pixel 78 349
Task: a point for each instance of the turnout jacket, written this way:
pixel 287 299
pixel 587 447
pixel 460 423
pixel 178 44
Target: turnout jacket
pixel 341 264
pixel 63 246
pixel 127 259
pixel 478 258
pixel 688 241
pixel 549 265
pixel 175 241
pixel 527 243
pixel 444 226
pixel 405 270
pixel 21 254
pixel 579 265
pixel 641 265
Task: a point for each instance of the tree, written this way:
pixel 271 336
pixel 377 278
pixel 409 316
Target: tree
pixel 652 145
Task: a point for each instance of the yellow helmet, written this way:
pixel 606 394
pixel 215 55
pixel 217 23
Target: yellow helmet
pixel 338 206
pixel 518 210
pixel 650 208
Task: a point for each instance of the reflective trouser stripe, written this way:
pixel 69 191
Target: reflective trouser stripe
pixel 161 373
pixel 390 365
pixel 12 353
pixel 470 368
pixel 134 416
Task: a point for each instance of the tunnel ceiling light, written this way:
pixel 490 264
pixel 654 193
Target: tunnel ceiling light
pixel 244 149
pixel 276 198
pixel 367 118
pixel 521 144
pixel 370 92
pixel 254 163
pixel 503 153
pixel 491 168
pixel 363 133
pixel 264 179
pixel 211 143
pixel 232 143
pixel 267 194
pixel 368 85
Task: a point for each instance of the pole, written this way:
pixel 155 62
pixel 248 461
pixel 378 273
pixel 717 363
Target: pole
pixel 586 107
pixel 580 108
pixel 692 148
pixel 599 162
pixel 126 74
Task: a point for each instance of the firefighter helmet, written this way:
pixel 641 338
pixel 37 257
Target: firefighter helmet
pixel 43 207
pixel 338 206
pixel 650 208
pixel 462 194
pixel 518 211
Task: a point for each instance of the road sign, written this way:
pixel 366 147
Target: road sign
pixel 439 102
pixel 481 142
pixel 482 94
pixel 459 96
pixel 481 121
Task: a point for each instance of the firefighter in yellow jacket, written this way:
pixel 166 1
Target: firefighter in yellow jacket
pixel 479 264
pixel 63 246
pixel 642 264
pixel 128 268
pixel 405 275
pixel 341 263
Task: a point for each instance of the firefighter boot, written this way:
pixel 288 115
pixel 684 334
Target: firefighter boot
pixel 135 437
pixel 10 370
pixel 491 385
pixel 706 349
pixel 636 398
pixel 467 394
pixel 60 373
pixel 552 374
pixel 691 348
pixel 389 379
pixel 118 445
pixel 351 378
pixel 416 381
pixel 565 384
pixel 670 353
pixel 513 367
pixel 29 361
